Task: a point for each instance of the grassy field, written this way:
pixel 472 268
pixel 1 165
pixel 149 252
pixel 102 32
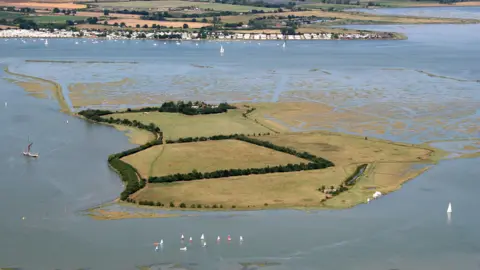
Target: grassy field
pixel 55 19
pixel 390 165
pixel 176 125
pixel 349 17
pixel 206 157
pixel 165 5
pixel 10 15
pixel 278 190
pixel 348 149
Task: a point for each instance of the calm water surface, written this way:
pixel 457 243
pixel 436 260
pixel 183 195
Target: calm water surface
pixel 408 229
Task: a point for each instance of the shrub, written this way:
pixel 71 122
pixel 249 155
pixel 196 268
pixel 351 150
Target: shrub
pixel 172 204
pixel 234 206
pixel 182 205
pixel 192 206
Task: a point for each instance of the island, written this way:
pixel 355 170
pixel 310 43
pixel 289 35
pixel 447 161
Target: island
pixel 221 156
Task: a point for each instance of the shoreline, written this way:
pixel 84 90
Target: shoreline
pixel 436 153
pixel 183 36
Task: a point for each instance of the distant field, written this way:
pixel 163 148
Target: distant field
pixel 176 125
pixel 55 19
pixel 164 5
pixel 134 22
pixel 62 5
pixel 111 15
pixel 348 17
pixel 206 157
pixel 10 15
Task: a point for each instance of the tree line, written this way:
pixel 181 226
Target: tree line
pixel 127 172
pixel 188 108
pixel 195 175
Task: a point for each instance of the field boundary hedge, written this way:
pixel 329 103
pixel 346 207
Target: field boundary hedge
pixel 127 172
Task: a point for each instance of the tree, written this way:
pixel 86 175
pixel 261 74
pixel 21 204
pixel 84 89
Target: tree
pixel 122 24
pixel 194 20
pixel 105 22
pixel 185 26
pixel 137 26
pixel 145 26
pixel 56 10
pixel 92 20
pixel 115 24
pixel 106 12
pixel 204 20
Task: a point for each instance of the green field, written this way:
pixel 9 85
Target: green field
pixel 176 125
pixel 9 15
pixel 55 19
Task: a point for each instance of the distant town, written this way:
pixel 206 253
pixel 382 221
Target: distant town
pixel 178 35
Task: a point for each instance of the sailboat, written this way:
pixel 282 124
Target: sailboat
pixel 449 209
pixel 221 49
pixel 284 44
pixel 28 153
pixel 46 42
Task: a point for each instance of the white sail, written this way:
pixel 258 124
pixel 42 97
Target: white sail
pixel 284 44
pixel 202 237
pixel 221 49
pixel 449 209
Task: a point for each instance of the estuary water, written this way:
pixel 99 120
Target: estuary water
pixel 43 225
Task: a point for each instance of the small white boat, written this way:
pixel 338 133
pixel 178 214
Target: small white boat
pixel 28 153
pixel 156 248
pixel 204 244
pixel 218 238
pixel 161 242
pixel 190 239
pixel 229 238
pixel 222 50
pixel 241 238
pixel 182 237
pixel 183 248
pixel 202 237
pixel 46 42
pixel 449 209
pixel 6 104
pixel 283 45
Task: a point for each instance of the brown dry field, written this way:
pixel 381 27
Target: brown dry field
pixel 134 22
pixel 100 14
pixel 7 26
pixel 206 157
pixel 357 16
pixel 60 5
pixel 390 165
pixel 345 150
pixel 279 190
